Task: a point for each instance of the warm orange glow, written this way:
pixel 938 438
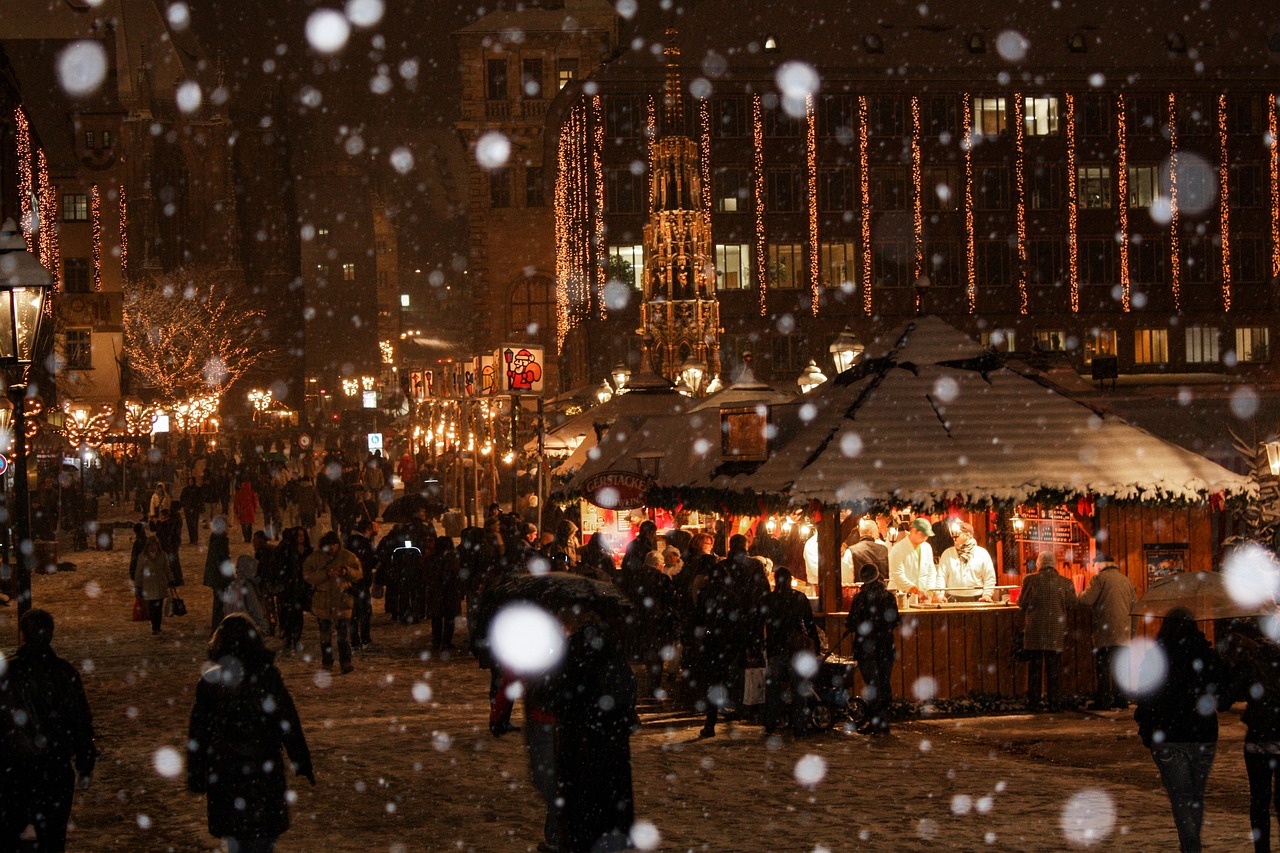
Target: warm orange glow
pixel 95 215
pixel 22 131
pixel 1020 191
pixel 757 189
pixel 704 157
pixel 970 247
pixel 864 190
pixel 917 197
pixel 1273 127
pixel 811 171
pixel 1224 211
pixel 1175 249
pixel 1122 197
pixel 1073 207
pixel 47 198
pixel 598 270
pixel 124 235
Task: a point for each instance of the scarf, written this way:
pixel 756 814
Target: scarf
pixel 965 551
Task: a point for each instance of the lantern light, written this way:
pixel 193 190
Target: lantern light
pixel 620 374
pixel 845 350
pixel 1273 456
pixel 811 377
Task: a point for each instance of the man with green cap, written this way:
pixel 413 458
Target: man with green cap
pixel 911 566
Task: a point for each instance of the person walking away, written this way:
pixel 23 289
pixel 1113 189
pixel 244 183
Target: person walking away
pixel 192 499
pixel 595 561
pixel 242 594
pixel 789 632
pixel 540 730
pixel 444 593
pixel 152 581
pixel 1110 597
pixel 872 618
pixel 243 724
pixel 45 728
pixel 595 707
pixel 139 542
pixel 331 571
pixel 218 568
pixel 1254 661
pixel 169 531
pixel 246 510
pixel 1046 599
pixel 360 543
pixel 269 583
pixel 719 646
pixel 869 550
pixel 1178 721
pixel 291 602
pixel 308 501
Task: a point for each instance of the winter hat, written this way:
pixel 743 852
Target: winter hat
pixel 1046 560
pixel 922 524
pixel 965 527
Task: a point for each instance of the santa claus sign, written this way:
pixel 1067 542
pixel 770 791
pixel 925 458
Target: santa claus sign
pixel 520 368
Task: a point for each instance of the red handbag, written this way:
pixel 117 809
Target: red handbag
pixel 140 613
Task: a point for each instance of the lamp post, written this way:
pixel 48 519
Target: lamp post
pixel 811 377
pixel 23 285
pixel 692 372
pixel 621 374
pixel 845 350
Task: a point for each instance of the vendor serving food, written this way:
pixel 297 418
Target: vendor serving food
pixel 966 569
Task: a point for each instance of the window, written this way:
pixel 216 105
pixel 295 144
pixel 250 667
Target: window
pixel 892 263
pixel 625 192
pixel 78 349
pixel 1151 346
pixel 999 340
pixel 625 116
pixel 778 124
pixel 835 189
pixel 496 80
pixel 1201 259
pixel 837 264
pixel 1148 259
pixel 1250 260
pixel 1248 186
pixel 1147 113
pixel 732 190
pixel 991 188
pixel 1253 344
pixel 1197 115
pixel 1094 115
pixel 939 114
pixel 732 350
pixel 1097 261
pixel 785 192
pixel 885 116
pixel 75 275
pixel 531 78
pixel 942 264
pixel 499 188
pixel 404 300
pixel 322 272
pixel 994 262
pixel 533 307
pixel 1094 187
pixel 322 232
pixel 837 116
pixel 989 116
pixel 1144 185
pixel 566 72
pixel 533 191
pixel 1047 261
pixel 786 265
pixel 1202 345
pixel 733 266
pixel 626 264
pixel 104 139
pixel 889 189
pixel 730 117
pixel 348 272
pixel 1044 188
pixel 790 355
pixel 1051 340
pixel 1099 342
pixel 1246 114
pixel 939 188
pixel 75 207
pixel 90 140
pixel 1041 116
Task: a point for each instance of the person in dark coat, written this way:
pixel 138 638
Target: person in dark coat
pixel 646 540
pixel 139 542
pixel 1254 659
pixel 45 728
pixel 595 561
pixel 719 645
pixel 243 723
pixel 868 549
pixel 595 707
pixel 444 593
pixel 789 631
pixel 291 601
pixel 654 618
pixel 218 568
pixel 1178 721
pixel 192 500
pixel 873 616
pixel 360 543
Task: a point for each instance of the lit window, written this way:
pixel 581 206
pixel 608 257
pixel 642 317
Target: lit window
pixel 322 232
pixel 1041 116
pixel 786 265
pixel 78 349
pixel 75 275
pixel 1253 344
pixel 733 266
pixel 566 72
pixel 348 272
pixel 626 263
pixel 1202 345
pixel 1099 342
pixel 75 208
pixel 1000 340
pixel 404 300
pixel 1151 346
pixel 770 44
pixel 989 116
pixel 1051 340
pixel 1144 185
pixel 1094 184
pixel 838 264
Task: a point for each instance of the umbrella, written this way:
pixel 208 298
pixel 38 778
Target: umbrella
pixel 555 591
pixel 1203 593
pixel 405 508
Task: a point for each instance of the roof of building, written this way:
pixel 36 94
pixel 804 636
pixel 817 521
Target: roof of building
pixel 576 16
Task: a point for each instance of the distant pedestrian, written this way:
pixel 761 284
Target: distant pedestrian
pixel 331 571
pixel 218 568
pixel 1110 596
pixel 444 593
pixel 1178 722
pixel 246 509
pixel 45 728
pixel 291 601
pixel 872 618
pixel 789 632
pixel 1255 679
pixel 1046 599
pixel 360 543
pixel 152 580
pixel 192 499
pixel 243 723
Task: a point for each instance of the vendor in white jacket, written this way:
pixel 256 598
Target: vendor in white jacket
pixel 966 568
pixel 911 567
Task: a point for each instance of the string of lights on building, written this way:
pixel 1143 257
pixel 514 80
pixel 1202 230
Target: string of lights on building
pixel 704 156
pixel 864 196
pixel 970 247
pixel 47 198
pixel 1175 252
pixel 124 235
pixel 599 272
pixel 95 215
pixel 811 175
pixel 757 190
pixel 1073 208
pixel 1020 196
pixel 1273 138
pixel 917 197
pixel 573 226
pixel 1122 197
pixel 22 133
pixel 1224 211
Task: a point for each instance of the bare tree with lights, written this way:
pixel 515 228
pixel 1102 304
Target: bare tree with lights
pixel 187 334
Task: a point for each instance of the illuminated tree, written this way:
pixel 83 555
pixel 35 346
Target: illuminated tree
pixel 187 334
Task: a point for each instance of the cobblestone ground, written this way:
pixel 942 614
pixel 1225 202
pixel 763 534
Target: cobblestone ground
pixel 405 762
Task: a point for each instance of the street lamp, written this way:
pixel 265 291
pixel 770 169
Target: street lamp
pixel 811 377
pixel 23 285
pixel 621 375
pixel 604 393
pixel 692 372
pixel 845 350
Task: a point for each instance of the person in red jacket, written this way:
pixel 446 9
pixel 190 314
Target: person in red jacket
pixel 246 509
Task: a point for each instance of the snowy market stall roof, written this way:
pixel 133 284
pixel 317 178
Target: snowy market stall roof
pixel 937 418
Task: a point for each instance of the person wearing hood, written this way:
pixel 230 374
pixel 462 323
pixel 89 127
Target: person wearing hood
pixel 152 579
pixel 1110 597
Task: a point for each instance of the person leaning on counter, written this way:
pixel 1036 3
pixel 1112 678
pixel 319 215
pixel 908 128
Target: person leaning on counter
pixel 911 567
pixel 966 568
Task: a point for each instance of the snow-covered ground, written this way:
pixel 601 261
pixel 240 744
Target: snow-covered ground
pixel 405 762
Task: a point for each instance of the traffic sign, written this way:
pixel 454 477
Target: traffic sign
pixel 304 441
pixel 4 464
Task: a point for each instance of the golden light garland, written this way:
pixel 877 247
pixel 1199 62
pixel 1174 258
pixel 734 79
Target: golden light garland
pixel 139 418
pixel 864 190
pixel 757 189
pixel 598 270
pixel 83 426
pixel 388 352
pixel 124 235
pixel 1122 197
pixel 1175 250
pixel 811 170
pixel 572 211
pixel 1273 129
pixel 650 134
pixel 704 156
pixel 47 196
pixel 194 411
pixel 1073 208
pixel 95 214
pixel 350 387
pixel 970 247
pixel 1224 210
pixel 917 196
pixel 22 132
pixel 1020 192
